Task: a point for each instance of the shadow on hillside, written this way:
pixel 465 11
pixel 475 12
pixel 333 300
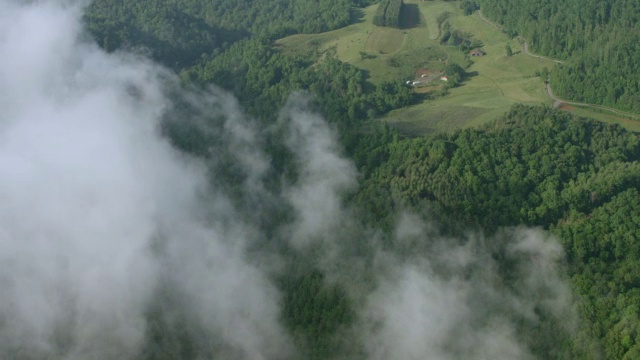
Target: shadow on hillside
pixel 357 16
pixel 410 17
pixel 471 74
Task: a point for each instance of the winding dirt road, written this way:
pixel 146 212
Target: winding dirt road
pixel 557 101
pixel 525 46
pixel 488 21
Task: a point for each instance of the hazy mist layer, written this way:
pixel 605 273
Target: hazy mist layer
pixel 109 236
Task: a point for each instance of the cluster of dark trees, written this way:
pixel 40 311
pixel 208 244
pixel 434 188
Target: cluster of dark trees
pixel 596 38
pixel 469 6
pixel 454 37
pixel 390 13
pixel 316 313
pixel 578 178
pixel 455 74
pixel 169 33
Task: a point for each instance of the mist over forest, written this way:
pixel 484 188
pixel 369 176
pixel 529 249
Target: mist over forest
pixel 174 187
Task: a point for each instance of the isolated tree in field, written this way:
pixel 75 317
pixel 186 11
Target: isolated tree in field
pixel 455 74
pixel 508 49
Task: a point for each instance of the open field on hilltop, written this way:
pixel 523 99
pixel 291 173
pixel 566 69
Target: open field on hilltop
pixel 389 54
pixel 384 40
pixel 496 81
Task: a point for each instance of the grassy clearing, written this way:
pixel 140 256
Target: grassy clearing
pixel 629 124
pixel 495 84
pixel 385 40
pixel 496 81
pixel 391 54
pixel 430 13
pixel 441 118
pixel 346 42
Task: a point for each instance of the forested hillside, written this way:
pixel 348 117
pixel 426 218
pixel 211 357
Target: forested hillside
pixel 595 38
pixel 180 32
pixel 230 44
pixel 576 178
pixel 534 166
pixel 262 78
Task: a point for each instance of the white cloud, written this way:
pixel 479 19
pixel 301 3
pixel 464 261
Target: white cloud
pixel 454 302
pixel 102 220
pixel 91 197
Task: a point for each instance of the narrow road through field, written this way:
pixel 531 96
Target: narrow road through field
pixel 525 46
pixel 488 21
pixel 557 101
pixel 523 41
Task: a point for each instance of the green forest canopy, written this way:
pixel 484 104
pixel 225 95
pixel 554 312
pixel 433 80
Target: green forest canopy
pixel 534 166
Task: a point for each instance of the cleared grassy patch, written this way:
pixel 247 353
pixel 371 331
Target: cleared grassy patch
pixel 385 40
pixel 432 10
pixel 496 81
pixel 347 42
pixel 443 117
pixel 387 54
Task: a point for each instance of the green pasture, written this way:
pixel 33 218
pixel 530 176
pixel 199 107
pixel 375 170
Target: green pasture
pixel 387 54
pixel 429 12
pixel 496 81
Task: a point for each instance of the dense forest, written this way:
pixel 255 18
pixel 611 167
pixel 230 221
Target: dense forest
pixel 573 177
pixel 596 39
pixel 179 33
pixel 540 167
pixel 263 78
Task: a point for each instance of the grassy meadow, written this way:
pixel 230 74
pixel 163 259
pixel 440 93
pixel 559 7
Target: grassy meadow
pixel 496 81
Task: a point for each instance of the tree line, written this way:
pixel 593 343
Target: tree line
pixel 595 38
pixel 389 13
